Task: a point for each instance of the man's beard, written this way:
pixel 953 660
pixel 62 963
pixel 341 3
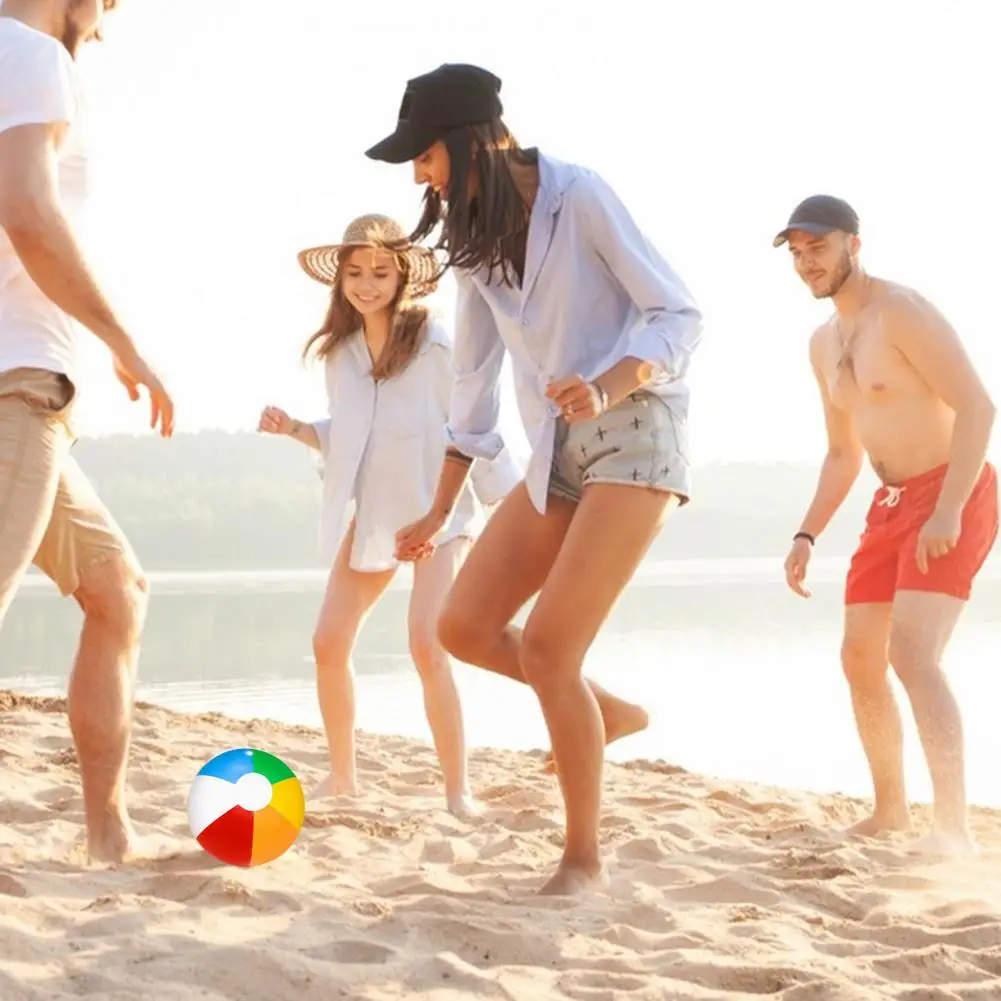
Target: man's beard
pixel 842 275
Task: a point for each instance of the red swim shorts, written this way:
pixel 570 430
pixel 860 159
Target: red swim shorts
pixel 885 561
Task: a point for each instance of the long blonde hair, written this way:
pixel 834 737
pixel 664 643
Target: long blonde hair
pixel 406 330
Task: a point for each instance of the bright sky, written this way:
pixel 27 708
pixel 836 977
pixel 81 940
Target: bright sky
pixel 230 134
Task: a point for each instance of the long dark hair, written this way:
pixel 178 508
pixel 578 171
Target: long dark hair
pixel 490 230
pixel 406 334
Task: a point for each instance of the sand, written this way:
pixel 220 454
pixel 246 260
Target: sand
pixel 717 889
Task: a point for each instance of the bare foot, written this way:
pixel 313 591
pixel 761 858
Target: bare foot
pixel 464 807
pixel 880 823
pixel 945 844
pixel 571 880
pixel 334 786
pixel 112 841
pixel 622 720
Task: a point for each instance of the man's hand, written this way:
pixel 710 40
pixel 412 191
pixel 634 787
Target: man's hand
pixel 274 420
pixel 938 536
pixel 133 373
pixel 796 564
pixel 578 399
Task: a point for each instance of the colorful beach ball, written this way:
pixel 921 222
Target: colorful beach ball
pixel 246 807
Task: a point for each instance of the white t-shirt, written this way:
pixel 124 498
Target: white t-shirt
pixel 39 84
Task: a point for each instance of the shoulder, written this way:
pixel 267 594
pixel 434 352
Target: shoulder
pixel 30 58
pixel 577 186
pixel 821 339
pixel 587 196
pixel 908 319
pixel 38 82
pixel 340 355
pixel 897 302
pixel 434 334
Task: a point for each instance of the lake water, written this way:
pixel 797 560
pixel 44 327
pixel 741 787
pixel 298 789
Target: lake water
pixel 741 677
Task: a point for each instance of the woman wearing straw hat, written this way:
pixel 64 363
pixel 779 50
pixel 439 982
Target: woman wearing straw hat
pixel 552 270
pixel 388 380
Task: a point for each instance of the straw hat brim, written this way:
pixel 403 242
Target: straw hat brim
pixel 321 264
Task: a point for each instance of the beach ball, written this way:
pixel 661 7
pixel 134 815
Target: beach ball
pixel 246 807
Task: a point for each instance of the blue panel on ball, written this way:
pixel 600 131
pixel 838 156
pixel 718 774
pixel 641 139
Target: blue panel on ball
pixel 230 766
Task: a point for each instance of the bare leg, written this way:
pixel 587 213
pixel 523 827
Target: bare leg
pixel 506 567
pixel 609 535
pixel 864 660
pixel 101 695
pixel 432 579
pixel 349 598
pixel 922 626
pixel 585 554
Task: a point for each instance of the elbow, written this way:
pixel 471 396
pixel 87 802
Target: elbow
pixel 25 220
pixel 979 409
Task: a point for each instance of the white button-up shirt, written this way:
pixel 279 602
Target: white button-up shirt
pixel 594 292
pixel 382 447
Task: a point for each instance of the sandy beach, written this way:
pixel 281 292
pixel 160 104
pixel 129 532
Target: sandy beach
pixel 717 889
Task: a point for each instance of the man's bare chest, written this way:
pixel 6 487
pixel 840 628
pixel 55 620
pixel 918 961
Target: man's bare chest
pixel 863 369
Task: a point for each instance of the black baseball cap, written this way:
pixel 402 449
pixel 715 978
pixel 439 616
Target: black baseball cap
pixel 451 97
pixel 820 215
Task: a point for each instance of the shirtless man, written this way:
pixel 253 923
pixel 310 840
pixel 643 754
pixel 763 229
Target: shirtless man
pixel 49 512
pixel 896 384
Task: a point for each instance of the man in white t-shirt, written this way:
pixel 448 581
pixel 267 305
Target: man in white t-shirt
pixel 49 514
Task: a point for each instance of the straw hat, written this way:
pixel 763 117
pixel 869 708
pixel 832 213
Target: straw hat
pixel 320 263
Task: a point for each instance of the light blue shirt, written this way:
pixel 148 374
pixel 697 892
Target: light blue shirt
pixel 594 292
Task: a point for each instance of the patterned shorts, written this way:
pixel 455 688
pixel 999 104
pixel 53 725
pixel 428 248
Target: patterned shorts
pixel 640 442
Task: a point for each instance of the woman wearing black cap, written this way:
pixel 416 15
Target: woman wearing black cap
pixel 551 268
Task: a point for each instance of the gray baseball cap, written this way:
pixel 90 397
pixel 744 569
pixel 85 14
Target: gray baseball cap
pixel 820 215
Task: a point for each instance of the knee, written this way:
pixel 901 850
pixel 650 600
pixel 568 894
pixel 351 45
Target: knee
pixel 863 662
pixel 910 658
pixel 461 634
pixel 332 646
pixel 115 595
pixel 426 651
pixel 543 657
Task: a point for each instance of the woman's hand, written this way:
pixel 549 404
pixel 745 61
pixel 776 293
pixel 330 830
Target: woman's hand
pixel 274 420
pixel 578 399
pixel 413 541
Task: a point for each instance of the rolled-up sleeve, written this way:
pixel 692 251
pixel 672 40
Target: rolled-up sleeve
pixel 322 429
pixel 672 327
pixel 494 479
pixel 477 359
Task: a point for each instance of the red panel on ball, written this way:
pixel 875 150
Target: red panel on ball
pixel 230 838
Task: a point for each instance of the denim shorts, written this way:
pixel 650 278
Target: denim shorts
pixel 639 442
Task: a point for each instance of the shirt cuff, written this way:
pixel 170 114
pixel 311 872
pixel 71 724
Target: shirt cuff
pixel 322 429
pixel 648 345
pixel 476 446
pixel 494 479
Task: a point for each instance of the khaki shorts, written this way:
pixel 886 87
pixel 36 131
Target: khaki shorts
pixel 640 442
pixel 50 515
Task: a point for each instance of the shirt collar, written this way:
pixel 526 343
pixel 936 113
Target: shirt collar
pixel 554 178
